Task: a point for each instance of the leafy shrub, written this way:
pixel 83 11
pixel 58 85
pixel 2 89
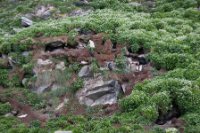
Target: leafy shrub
pixel 146 114
pixel 4 108
pixel 4 77
pixel 35 124
pixel 171 61
pixel 28 68
pixel 7 123
pixel 192 119
pixel 188 99
pixel 76 85
pixel 162 100
pixel 133 101
pixel 121 62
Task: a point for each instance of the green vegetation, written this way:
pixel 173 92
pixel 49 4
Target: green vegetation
pixel 4 108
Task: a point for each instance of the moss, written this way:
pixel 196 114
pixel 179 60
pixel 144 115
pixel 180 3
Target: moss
pixel 7 123
pixel 171 61
pixel 4 77
pixel 28 68
pixel 134 100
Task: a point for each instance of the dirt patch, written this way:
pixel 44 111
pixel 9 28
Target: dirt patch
pixel 46 40
pixel 25 109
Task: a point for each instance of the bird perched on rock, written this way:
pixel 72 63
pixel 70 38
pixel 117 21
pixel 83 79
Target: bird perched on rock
pixel 111 66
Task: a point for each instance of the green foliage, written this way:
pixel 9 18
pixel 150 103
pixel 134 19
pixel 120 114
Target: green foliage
pixel 158 95
pixel 28 68
pixel 121 62
pixel 76 85
pixel 134 100
pixel 146 114
pixel 188 99
pixel 169 5
pixel 35 124
pixel 7 123
pixel 71 37
pixel 162 100
pixel 30 98
pixel 4 77
pixel 95 67
pixel 4 108
pixel 171 61
pixel 192 122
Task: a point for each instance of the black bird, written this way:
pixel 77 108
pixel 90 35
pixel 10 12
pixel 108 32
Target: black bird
pixel 110 66
pixel 142 60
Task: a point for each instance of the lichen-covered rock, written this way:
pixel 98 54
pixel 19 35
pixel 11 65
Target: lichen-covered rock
pixel 44 12
pixel 48 76
pixel 85 72
pixel 96 91
pixel 26 22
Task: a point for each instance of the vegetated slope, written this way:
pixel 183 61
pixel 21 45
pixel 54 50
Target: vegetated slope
pixel 169 31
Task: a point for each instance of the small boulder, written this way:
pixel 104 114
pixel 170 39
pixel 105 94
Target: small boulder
pixel 61 66
pixel 85 72
pixel 25 22
pixel 48 76
pixel 99 92
pixel 44 12
pixel 79 12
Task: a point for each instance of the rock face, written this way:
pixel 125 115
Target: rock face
pixel 49 76
pixel 26 22
pixel 80 12
pixel 85 72
pixel 99 92
pixel 44 12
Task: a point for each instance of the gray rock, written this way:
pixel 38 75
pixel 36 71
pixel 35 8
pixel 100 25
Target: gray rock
pixel 99 92
pixel 136 4
pixel 85 72
pixel 131 66
pixel 26 22
pixel 124 87
pixel 8 115
pixel 61 66
pixel 26 53
pixel 24 81
pixel 48 76
pixel 44 12
pixel 150 4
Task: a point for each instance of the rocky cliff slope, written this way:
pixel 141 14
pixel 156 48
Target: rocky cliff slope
pixel 99 66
